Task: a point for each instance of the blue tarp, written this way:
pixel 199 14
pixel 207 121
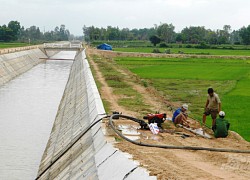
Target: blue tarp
pixel 104 46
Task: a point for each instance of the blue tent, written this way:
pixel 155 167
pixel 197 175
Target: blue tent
pixel 104 46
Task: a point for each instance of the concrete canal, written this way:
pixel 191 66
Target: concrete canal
pixel 51 120
pixel 28 106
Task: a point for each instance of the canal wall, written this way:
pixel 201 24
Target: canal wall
pixel 77 148
pixel 16 63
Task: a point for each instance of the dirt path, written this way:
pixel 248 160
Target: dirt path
pixel 179 164
pixel 107 92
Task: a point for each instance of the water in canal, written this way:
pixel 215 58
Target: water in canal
pixel 28 106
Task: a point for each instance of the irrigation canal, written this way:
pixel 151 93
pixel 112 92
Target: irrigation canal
pixel 50 119
pixel 28 106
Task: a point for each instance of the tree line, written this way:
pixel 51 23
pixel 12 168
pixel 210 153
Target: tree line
pixel 166 33
pixel 159 33
pixel 15 32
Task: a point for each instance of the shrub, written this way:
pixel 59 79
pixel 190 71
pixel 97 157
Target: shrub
pixel 156 51
pixel 189 46
pixel 202 45
pixel 163 45
pixel 167 51
pixel 237 43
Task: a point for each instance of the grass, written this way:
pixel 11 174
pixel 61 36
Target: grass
pixel 196 51
pixel 187 80
pixel 128 97
pixel 123 43
pixel 11 45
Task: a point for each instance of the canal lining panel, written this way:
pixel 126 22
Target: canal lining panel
pixel 91 157
pixel 15 64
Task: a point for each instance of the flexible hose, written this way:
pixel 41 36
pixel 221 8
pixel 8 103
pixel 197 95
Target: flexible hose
pixel 167 146
pixel 74 141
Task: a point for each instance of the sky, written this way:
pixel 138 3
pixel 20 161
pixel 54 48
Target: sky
pixel 74 14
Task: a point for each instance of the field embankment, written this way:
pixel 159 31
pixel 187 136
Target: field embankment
pixel 135 84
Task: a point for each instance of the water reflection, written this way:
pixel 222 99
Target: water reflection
pixel 28 106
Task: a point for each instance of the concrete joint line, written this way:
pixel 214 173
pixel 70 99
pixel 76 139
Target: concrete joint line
pixel 107 158
pixel 125 177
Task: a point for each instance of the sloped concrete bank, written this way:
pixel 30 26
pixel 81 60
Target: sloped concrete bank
pixel 76 150
pixel 14 64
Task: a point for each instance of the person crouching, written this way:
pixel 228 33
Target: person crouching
pixel 222 126
pixel 180 116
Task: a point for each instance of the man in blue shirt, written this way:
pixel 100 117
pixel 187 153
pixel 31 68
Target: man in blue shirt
pixel 180 115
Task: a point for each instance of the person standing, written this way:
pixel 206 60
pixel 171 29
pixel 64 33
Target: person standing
pixel 212 107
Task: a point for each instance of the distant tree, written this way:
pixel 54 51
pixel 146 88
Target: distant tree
pixel 63 33
pixel 22 36
pixel 178 37
pixel 135 34
pixel 143 34
pixel 244 33
pixel 10 32
pixel 86 33
pixel 49 36
pixel 193 34
pixel 6 34
pixel 224 34
pixel 155 40
pixel 166 32
pixel 103 34
pixel 211 37
pixel 235 37
pixel 124 34
pixel 33 33
pixel 15 27
pixel 113 33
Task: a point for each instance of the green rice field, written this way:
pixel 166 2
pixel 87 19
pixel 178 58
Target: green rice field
pixel 186 81
pixel 11 45
pixel 236 52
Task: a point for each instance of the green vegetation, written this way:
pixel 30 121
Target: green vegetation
pixel 165 33
pixel 128 97
pixel 124 44
pixel 186 80
pixel 176 50
pixel 10 45
pixel 14 32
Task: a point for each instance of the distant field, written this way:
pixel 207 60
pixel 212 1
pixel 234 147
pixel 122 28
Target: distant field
pixel 11 45
pixel 187 80
pixel 188 51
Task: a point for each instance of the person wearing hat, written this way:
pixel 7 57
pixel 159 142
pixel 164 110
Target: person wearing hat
pixel 212 107
pixel 180 116
pixel 222 126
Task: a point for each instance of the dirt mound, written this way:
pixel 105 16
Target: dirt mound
pixel 174 163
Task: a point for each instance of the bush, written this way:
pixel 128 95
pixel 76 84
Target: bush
pixel 202 45
pixel 214 47
pixel 237 43
pixel 163 45
pixel 167 51
pixel 228 47
pixel 189 46
pixel 156 51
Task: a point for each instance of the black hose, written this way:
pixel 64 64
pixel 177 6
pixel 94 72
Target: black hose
pixel 68 148
pixel 167 146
